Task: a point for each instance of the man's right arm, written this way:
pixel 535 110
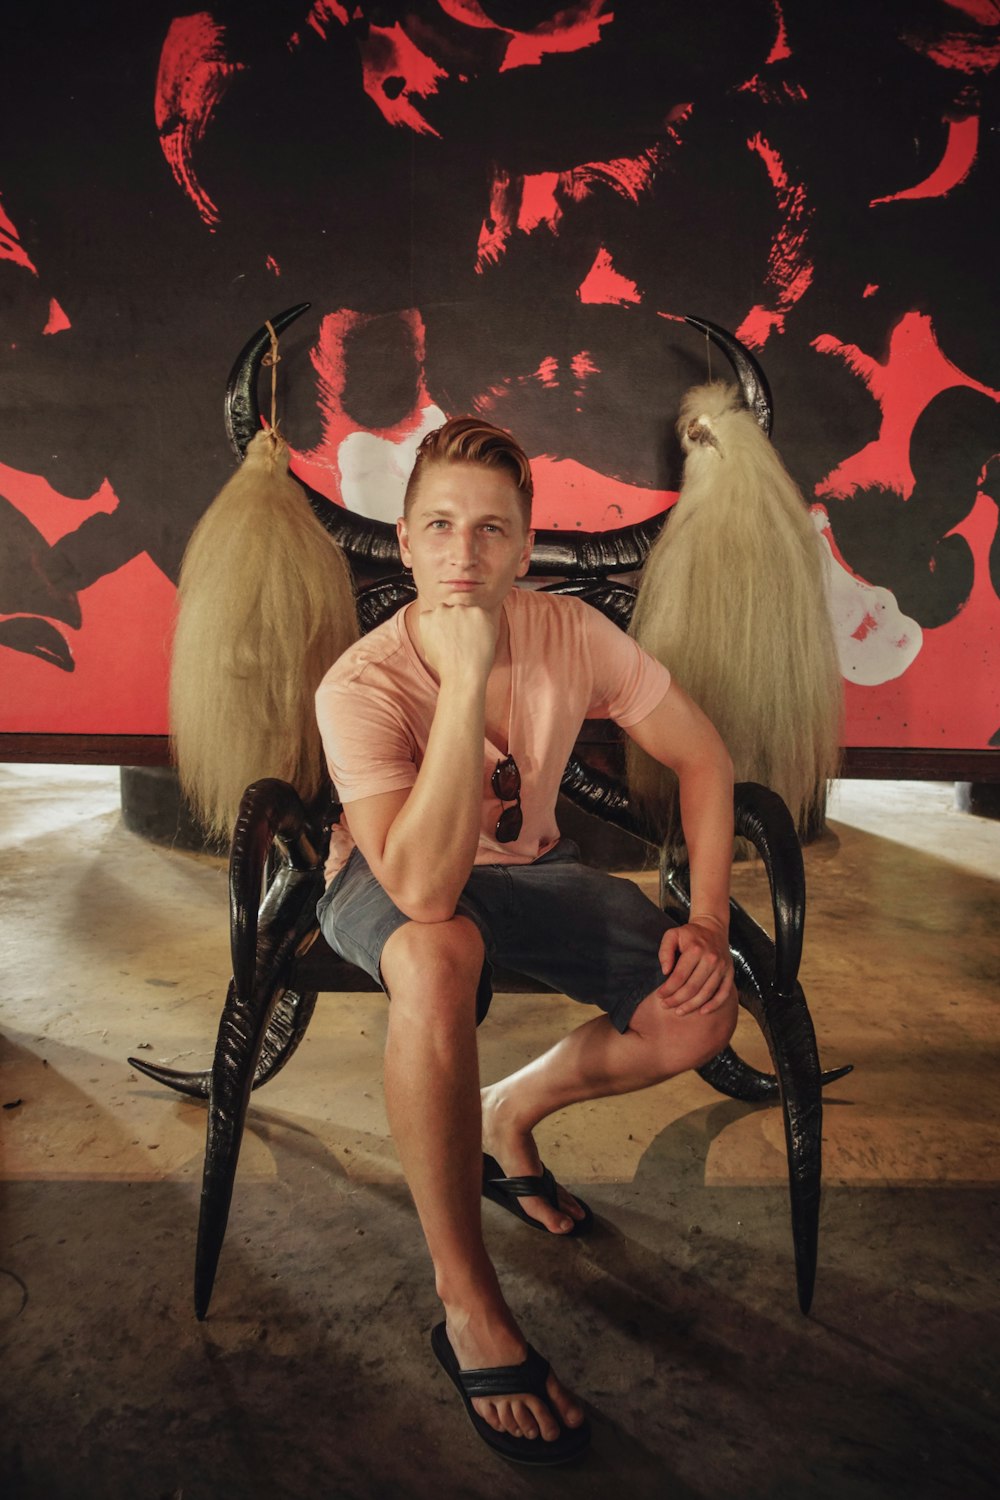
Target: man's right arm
pixel 420 843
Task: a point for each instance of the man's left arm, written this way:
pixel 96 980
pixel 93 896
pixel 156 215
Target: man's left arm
pixel 695 957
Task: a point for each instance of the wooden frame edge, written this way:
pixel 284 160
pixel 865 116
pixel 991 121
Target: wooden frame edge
pixel 860 762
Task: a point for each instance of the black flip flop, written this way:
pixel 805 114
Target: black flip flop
pixel 507 1190
pixel 510 1380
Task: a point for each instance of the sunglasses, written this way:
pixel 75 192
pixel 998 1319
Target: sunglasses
pixel 506 784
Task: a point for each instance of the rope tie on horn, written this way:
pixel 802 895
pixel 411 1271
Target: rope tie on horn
pixel 271 362
pixel 702 430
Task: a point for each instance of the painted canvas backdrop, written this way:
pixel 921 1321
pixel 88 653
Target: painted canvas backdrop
pixel 502 208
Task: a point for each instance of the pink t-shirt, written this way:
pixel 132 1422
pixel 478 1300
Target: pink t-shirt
pixel 376 704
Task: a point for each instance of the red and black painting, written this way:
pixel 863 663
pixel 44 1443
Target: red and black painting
pixel 504 207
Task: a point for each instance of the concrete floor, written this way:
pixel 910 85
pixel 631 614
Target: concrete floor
pixel 677 1319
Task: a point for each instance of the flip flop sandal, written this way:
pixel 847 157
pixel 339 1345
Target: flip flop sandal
pixel 507 1190
pixel 510 1380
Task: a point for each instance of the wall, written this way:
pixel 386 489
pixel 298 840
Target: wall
pixel 498 214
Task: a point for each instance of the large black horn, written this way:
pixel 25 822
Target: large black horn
pixel 770 991
pixel 756 391
pixel 570 555
pixel 285 1030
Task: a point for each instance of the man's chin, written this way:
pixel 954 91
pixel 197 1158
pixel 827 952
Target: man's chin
pixel 463 596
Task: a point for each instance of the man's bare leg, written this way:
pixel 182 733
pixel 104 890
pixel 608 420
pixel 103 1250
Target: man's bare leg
pixel 432 1097
pixel 591 1063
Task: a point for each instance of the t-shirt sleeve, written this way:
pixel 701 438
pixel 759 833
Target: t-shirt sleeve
pixel 628 683
pixel 368 749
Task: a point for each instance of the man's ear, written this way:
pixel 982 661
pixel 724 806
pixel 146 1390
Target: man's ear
pixel 403 538
pixel 525 558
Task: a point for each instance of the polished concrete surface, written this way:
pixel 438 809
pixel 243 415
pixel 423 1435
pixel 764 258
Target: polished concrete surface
pixel 676 1319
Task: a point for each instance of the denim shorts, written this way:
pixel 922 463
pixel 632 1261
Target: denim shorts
pixel 586 934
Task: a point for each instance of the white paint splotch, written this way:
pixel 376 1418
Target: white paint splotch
pixel 374 470
pixel 876 642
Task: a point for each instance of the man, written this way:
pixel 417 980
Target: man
pixel 447 730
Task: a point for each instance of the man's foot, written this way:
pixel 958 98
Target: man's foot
pixel 510 1192
pixel 517 1156
pixel 544 1412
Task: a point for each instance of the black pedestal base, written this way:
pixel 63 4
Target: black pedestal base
pixel 154 807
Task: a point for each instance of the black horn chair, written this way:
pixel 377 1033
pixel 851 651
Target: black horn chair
pixel 281 962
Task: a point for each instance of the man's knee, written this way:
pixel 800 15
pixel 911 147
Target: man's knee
pixel 439 960
pixel 683 1042
pixel 715 1032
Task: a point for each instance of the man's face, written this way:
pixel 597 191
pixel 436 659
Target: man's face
pixel 465 537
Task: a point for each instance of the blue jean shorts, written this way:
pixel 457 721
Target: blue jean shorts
pixel 586 934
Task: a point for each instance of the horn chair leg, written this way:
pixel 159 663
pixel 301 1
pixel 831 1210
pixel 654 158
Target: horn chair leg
pixel 767 978
pixel 257 1032
pixel 285 1030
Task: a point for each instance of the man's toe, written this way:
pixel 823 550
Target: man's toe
pixel 570 1412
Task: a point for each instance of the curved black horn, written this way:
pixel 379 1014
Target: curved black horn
pixel 363 538
pixel 241 408
pixel 286 1028
pixel 571 555
pixel 756 391
pixel 730 1074
pixel 288 917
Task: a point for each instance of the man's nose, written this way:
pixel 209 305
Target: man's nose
pixel 467 545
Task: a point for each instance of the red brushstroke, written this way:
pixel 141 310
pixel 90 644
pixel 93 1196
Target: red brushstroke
pixel 779 89
pixel 789 269
pixel 583 365
pixel 595 501
pixel 52 514
pixel 628 176
pixel 914 372
pixel 321 14
pixel 192 78
pixel 58 321
pixel 538 202
pixel 119 681
pixel 986 12
pixel 603 283
pixel 958 51
pixel 526 203
pixel 320 466
pixel 780 49
pixel 758 325
pixel 865 629
pixel 496 228
pixel 570 30
pixel 10 245
pixel 394 69
pixel 870 289
pixel 774 91
pixel 954 167
pixel 122 663
pixel 469 13
pixel 547 373
pixel 272 265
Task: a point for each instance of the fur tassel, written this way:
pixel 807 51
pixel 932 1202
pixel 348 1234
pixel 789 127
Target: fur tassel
pixel 265 605
pixel 733 601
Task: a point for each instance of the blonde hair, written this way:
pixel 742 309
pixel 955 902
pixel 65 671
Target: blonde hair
pixel 469 440
pixel 265 605
pixel 733 601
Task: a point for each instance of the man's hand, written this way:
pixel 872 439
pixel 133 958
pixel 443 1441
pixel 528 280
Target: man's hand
pixel 698 965
pixel 458 639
